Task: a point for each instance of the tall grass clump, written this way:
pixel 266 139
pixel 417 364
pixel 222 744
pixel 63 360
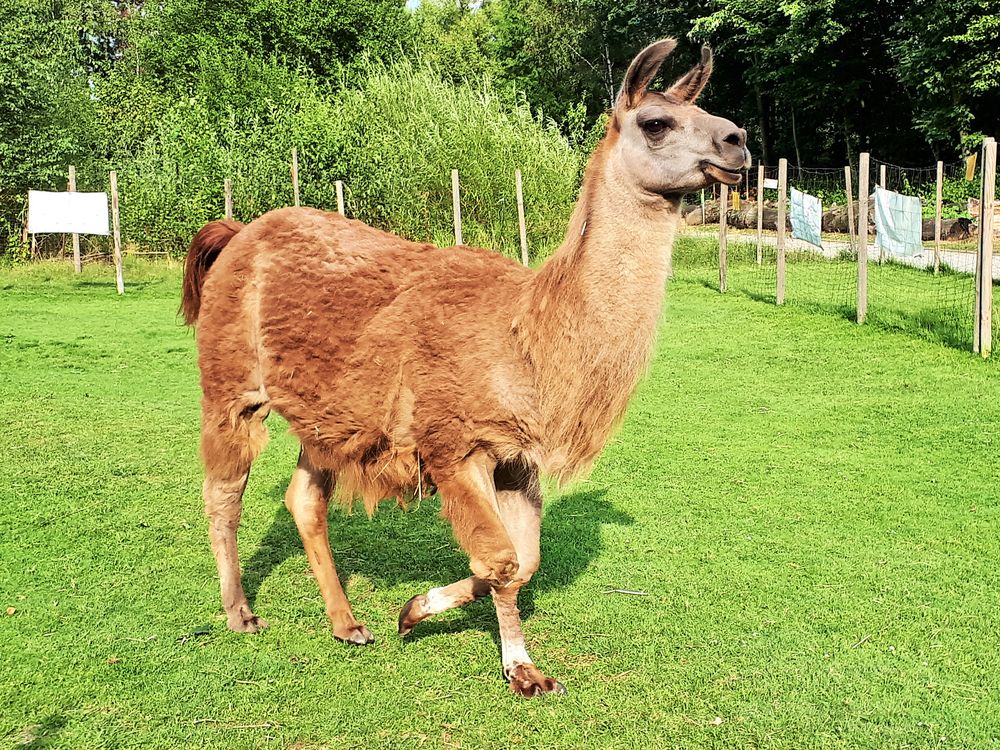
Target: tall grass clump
pixel 393 138
pixel 408 128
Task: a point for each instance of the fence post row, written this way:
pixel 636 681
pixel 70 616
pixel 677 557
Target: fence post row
pixel 295 174
pixel 983 338
pixel 779 295
pixel 863 167
pixel 723 247
pixel 71 187
pixel 227 190
pixel 116 229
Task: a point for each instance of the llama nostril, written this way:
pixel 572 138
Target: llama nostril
pixel 736 138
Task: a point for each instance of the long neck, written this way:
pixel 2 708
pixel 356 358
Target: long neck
pixel 588 321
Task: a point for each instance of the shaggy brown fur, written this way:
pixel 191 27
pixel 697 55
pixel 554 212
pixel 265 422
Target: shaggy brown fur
pixel 399 364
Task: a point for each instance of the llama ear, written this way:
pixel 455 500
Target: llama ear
pixel 642 70
pixel 689 86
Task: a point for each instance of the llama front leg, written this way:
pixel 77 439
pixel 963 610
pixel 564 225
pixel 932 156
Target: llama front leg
pixel 307 498
pixel 441 599
pixel 496 514
pixel 519 500
pixel 468 501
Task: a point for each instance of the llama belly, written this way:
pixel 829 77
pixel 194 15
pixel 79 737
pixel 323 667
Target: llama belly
pixel 358 424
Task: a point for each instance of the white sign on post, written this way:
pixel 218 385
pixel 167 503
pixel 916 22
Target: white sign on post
pixel 770 184
pixel 67 213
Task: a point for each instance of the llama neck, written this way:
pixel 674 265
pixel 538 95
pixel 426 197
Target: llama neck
pixel 588 322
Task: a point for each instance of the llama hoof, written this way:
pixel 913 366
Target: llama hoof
pixel 358 635
pixel 527 680
pixel 411 614
pixel 245 621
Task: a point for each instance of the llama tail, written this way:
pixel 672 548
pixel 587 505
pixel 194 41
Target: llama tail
pixel 205 248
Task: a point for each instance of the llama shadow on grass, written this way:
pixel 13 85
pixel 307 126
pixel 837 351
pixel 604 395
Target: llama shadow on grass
pixel 43 734
pixel 398 546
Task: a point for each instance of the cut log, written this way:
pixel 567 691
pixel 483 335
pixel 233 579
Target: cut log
pixel 954 230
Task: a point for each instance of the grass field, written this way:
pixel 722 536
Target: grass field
pixel 810 505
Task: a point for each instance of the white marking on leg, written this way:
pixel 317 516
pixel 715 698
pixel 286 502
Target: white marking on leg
pixel 513 654
pixel 438 601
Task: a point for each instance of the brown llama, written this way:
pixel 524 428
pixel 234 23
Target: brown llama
pixel 401 365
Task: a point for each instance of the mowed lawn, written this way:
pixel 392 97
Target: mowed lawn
pixel 810 506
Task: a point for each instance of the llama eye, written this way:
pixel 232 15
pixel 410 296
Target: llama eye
pixel 655 127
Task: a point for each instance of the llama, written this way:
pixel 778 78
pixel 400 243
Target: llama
pixel 402 367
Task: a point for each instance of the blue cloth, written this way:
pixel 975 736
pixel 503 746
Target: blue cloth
pixel 898 223
pixel 807 217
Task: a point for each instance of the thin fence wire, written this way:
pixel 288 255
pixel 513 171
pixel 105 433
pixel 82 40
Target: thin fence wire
pixel 904 292
pixel 162 209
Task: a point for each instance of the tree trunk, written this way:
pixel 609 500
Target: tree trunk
pixel 765 148
pixel 795 140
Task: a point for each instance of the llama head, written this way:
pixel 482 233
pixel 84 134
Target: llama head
pixel 666 145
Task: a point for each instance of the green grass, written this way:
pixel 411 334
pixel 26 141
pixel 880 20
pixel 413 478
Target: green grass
pixel 811 506
pixel 900 297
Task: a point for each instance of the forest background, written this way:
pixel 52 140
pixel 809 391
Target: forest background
pixel 389 96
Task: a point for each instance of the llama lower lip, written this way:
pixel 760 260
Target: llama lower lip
pixel 722 175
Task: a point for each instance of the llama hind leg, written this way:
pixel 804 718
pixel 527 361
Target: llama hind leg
pixel 307 499
pixel 228 448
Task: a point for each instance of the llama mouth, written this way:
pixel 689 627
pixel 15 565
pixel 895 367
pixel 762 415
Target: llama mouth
pixel 720 174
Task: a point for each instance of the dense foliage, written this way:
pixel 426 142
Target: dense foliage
pixel 390 96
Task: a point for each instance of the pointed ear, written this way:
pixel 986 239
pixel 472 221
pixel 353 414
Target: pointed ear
pixel 690 85
pixel 642 70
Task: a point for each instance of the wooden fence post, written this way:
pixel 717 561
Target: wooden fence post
pixel 850 204
pixel 723 244
pixel 983 341
pixel 863 237
pixel 703 206
pixel 760 213
pixel 779 296
pixel 340 197
pixel 71 187
pixel 881 184
pixel 116 229
pixel 456 206
pixel 295 174
pixel 937 217
pixel 522 227
pixel 227 189
pixel 25 241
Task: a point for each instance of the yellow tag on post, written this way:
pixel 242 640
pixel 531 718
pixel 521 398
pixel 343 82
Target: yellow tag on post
pixel 970 167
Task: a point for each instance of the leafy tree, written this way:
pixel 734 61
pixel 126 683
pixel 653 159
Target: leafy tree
pixel 456 39
pixel 948 58
pixel 46 112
